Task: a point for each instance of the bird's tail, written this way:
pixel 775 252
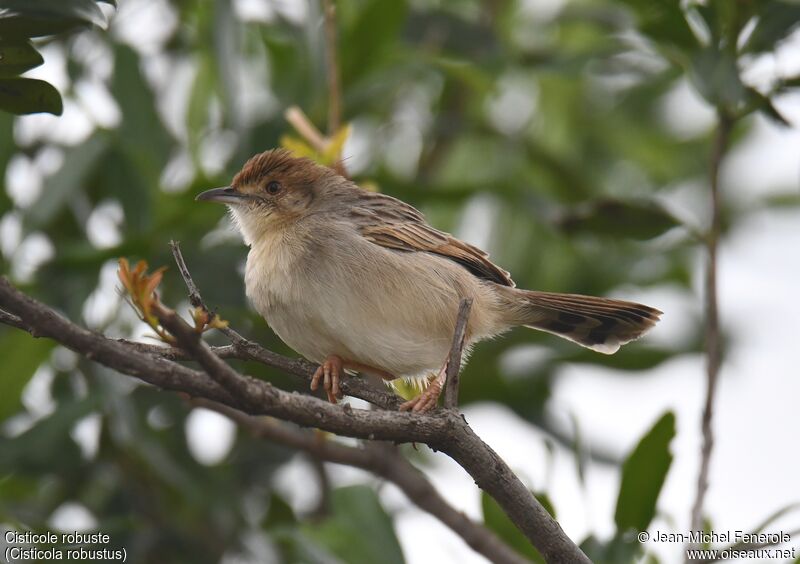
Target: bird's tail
pixel 601 324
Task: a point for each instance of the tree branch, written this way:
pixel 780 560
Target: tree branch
pixel 176 353
pixel 41 321
pixel 264 399
pixel 13 321
pixel 443 430
pixel 305 128
pixel 385 461
pixel 712 330
pixel 454 360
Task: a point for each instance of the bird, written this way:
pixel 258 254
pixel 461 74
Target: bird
pixel 357 281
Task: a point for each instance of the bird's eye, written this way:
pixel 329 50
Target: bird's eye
pixel 274 187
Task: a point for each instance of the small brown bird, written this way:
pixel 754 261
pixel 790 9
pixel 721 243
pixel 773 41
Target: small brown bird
pixel 358 281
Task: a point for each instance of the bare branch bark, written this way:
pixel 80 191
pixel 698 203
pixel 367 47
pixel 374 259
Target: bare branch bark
pixel 175 353
pixel 13 321
pixel 712 329
pixel 443 430
pixel 456 349
pixel 383 460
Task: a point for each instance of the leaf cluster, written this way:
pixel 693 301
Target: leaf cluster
pixel 21 20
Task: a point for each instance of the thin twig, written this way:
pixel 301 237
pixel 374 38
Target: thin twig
pixel 383 460
pixel 712 330
pixel 456 349
pixel 322 509
pixel 194 293
pixel 298 119
pixel 332 65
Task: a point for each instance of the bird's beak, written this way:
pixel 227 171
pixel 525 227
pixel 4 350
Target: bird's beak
pixel 226 195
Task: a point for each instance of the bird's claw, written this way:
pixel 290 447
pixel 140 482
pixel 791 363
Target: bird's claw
pixel 330 374
pixel 424 402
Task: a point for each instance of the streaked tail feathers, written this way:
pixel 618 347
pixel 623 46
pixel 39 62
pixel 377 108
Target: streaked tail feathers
pixel 600 324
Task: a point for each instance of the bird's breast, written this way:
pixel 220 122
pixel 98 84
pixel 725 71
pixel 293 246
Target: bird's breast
pixel 391 310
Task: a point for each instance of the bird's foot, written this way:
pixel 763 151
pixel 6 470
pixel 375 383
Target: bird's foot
pixel 426 401
pixel 330 373
pixel 332 369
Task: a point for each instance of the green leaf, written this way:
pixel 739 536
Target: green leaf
pixel 725 19
pixel 22 355
pixel 16 57
pixel 784 200
pixel 35 18
pixel 546 502
pixel 643 475
pixel 579 449
pixel 376 27
pixel 359 530
pixel 463 71
pixel 141 134
pixel 593 548
pixel 197 110
pixel 122 179
pixel 29 96
pixel 613 551
pixel 279 513
pixel 333 150
pixel 783 85
pixel 34 450
pixel 7 150
pixel 62 186
pixel 617 218
pixel 776 20
pixel 637 358
pixel 715 75
pixel 664 22
pixel 759 102
pixel 497 520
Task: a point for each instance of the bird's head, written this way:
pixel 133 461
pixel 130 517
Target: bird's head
pixel 273 189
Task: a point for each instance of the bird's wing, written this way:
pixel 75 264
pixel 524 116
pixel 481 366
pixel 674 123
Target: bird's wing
pixel 393 224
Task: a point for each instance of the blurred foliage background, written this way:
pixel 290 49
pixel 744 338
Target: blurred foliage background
pixel 540 131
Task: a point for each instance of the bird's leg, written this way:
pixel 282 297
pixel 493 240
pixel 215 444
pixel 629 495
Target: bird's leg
pixel 331 371
pixel 427 399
